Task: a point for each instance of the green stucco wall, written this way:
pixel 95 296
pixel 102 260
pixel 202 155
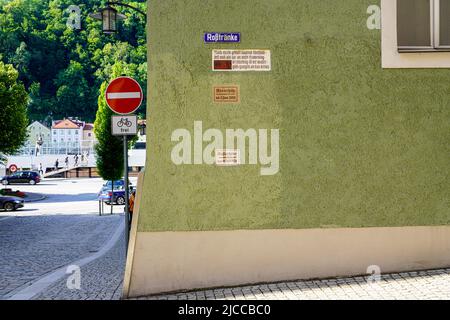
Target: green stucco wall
pixel 359 146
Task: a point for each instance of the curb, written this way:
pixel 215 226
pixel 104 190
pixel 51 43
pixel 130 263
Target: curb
pixel 39 197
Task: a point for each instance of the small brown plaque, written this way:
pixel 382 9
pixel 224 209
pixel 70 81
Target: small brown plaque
pixel 226 94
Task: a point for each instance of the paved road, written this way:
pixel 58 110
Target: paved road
pixel 71 196
pixel 55 232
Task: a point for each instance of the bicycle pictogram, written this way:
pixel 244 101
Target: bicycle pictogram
pixel 124 122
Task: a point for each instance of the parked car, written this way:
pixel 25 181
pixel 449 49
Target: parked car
pixel 10 203
pixel 31 177
pixel 118 184
pixel 105 194
pixel 108 197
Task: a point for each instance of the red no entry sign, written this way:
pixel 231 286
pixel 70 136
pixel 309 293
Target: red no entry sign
pixel 124 95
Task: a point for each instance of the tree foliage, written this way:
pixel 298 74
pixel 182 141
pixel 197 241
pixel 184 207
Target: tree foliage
pixel 13 111
pixel 63 68
pixel 109 148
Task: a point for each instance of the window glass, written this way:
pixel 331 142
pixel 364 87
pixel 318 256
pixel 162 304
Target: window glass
pixel 413 23
pixel 444 21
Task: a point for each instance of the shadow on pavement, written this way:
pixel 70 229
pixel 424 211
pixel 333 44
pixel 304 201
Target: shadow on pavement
pixel 55 198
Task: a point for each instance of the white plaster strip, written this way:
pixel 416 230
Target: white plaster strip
pixel 124 95
pixel 44 282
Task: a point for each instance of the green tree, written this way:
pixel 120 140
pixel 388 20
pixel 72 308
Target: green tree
pixel 74 95
pixel 13 111
pixel 60 66
pixel 109 148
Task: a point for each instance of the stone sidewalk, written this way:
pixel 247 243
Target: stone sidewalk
pixel 101 279
pixel 33 247
pixel 423 285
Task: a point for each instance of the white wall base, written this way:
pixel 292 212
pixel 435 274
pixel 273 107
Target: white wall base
pixel 174 261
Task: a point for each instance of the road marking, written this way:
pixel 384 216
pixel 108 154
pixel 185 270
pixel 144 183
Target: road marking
pixel 43 283
pixel 124 95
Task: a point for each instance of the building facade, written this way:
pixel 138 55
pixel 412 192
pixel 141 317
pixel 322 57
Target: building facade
pixel 316 146
pixel 38 132
pixel 89 139
pixel 67 131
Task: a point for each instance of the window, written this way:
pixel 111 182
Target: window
pixel 423 25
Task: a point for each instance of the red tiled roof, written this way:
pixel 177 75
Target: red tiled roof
pixel 66 124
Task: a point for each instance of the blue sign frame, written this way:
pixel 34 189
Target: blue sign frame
pixel 222 37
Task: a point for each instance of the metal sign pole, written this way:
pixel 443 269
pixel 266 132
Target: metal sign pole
pixel 125 177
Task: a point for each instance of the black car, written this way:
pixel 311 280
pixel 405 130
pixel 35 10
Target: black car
pixel 30 177
pixel 10 203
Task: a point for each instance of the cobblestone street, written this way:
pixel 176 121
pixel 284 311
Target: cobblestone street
pixel 55 233
pixel 426 285
pixel 100 280
pixel 34 246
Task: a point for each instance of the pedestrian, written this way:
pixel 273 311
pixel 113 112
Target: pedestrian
pixel 131 204
pixel 56 164
pixel 67 162
pixel 76 160
pixel 41 171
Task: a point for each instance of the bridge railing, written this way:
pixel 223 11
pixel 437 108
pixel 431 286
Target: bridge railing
pixel 60 148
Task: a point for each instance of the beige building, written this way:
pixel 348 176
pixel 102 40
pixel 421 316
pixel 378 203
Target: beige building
pixel 67 131
pixel 89 138
pixel 37 130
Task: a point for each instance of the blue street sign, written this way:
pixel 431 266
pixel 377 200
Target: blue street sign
pixel 232 37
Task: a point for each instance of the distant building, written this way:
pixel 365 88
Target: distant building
pixel 37 131
pixel 67 134
pixel 89 138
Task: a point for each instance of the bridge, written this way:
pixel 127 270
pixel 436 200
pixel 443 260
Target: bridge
pixel 79 171
pixel 87 168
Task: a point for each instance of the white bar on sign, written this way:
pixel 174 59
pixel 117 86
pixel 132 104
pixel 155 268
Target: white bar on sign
pixel 124 95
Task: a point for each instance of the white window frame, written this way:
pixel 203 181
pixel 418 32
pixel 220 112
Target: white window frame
pixel 391 58
pixel 437 26
pixel 435 29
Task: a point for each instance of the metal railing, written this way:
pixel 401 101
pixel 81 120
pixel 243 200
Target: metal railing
pixel 60 148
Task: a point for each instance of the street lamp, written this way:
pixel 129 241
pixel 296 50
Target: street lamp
pixel 110 17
